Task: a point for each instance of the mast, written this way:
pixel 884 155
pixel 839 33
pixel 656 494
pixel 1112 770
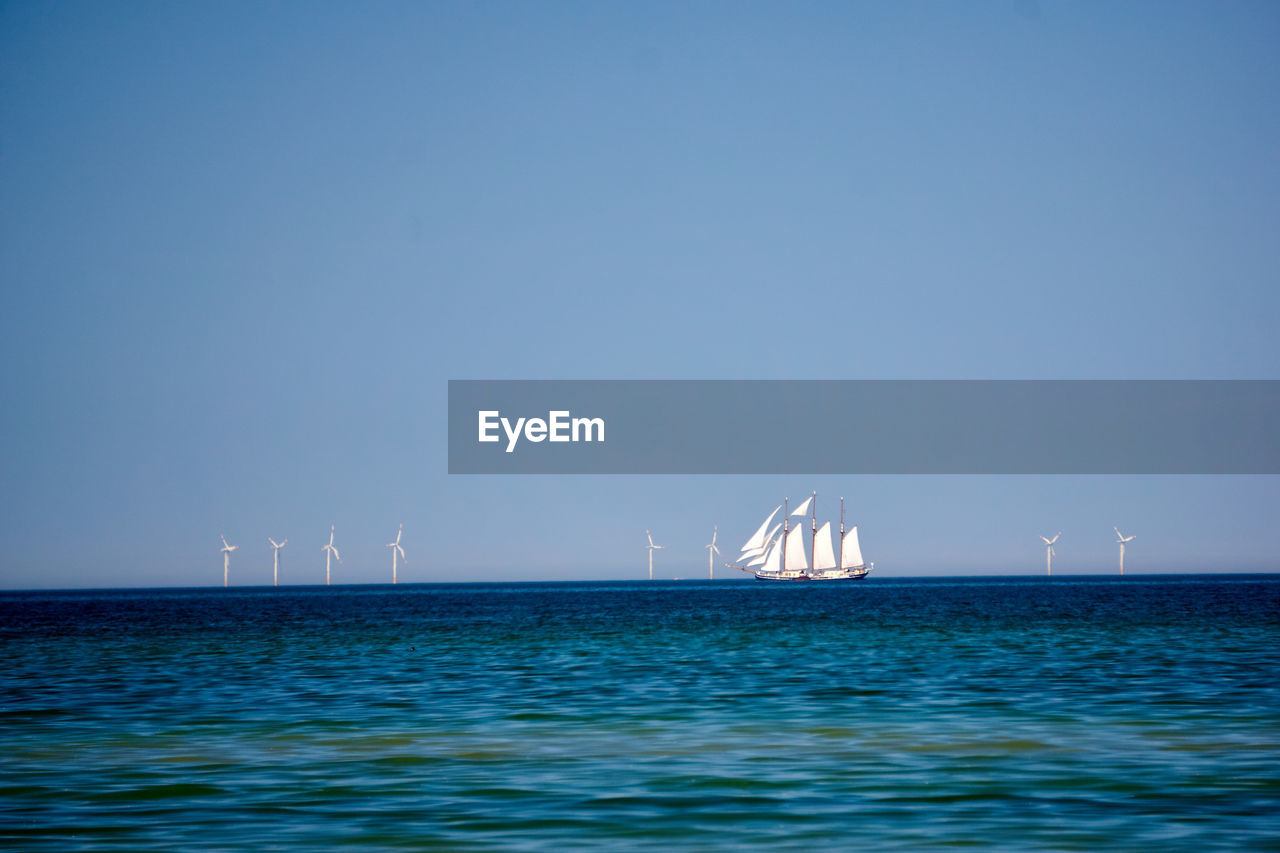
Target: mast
pixel 786 514
pixel 813 529
pixel 841 533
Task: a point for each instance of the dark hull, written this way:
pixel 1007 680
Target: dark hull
pixel 806 579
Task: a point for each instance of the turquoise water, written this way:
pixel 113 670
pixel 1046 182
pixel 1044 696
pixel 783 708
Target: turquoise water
pixel 994 713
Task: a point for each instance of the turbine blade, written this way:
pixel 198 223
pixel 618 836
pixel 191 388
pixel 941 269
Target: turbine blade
pixel 402 556
pixel 335 554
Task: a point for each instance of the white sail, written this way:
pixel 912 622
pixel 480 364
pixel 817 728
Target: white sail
pixel 774 561
pixel 763 549
pixel 762 556
pixel 850 553
pixel 803 509
pixel 756 542
pixel 795 556
pixel 823 557
pixel 764 546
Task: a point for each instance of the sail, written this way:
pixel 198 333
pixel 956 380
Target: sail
pixel 756 542
pixel 803 509
pixel 850 553
pixel 823 557
pixel 763 549
pixel 795 556
pixel 762 556
pixel 774 561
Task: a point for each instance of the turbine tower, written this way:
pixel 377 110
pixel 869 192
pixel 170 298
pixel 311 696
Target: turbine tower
pixel 395 548
pixel 1048 555
pixel 712 550
pixel 329 551
pixel 652 548
pixel 275 560
pixel 226 558
pixel 1121 538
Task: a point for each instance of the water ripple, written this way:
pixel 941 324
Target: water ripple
pixel 887 715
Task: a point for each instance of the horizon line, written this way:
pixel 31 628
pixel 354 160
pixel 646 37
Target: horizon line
pixel 645 581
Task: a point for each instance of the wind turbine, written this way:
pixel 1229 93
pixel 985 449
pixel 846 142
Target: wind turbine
pixel 1048 556
pixel 395 548
pixel 329 550
pixel 652 548
pixel 226 558
pixel 1121 538
pixel 712 550
pixel 275 560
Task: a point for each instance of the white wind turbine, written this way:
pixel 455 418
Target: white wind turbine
pixel 329 550
pixel 652 548
pixel 226 558
pixel 275 560
pixel 395 547
pixel 1121 538
pixel 1048 556
pixel 712 550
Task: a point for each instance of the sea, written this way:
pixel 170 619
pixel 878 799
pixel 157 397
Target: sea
pixel 985 713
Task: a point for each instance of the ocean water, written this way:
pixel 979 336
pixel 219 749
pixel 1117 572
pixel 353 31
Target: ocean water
pixel 988 713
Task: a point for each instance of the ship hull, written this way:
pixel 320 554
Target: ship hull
pixel 774 579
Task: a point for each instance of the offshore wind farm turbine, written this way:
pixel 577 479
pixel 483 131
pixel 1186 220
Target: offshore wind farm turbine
pixel 652 548
pixel 226 558
pixel 329 550
pixel 1048 554
pixel 395 547
pixel 275 560
pixel 712 550
pixel 1121 538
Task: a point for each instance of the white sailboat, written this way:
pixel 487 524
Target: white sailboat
pixel 781 556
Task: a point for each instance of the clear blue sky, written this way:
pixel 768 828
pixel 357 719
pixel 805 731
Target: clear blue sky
pixel 244 246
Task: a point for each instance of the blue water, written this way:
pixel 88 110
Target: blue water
pixel 994 713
